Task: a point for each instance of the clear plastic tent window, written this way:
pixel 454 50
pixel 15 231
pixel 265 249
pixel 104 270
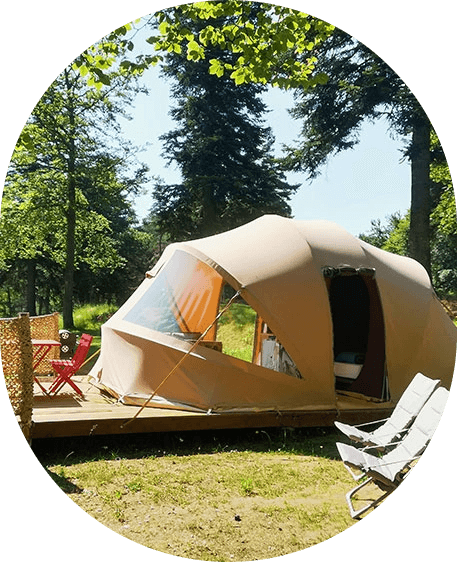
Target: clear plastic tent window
pixel 182 298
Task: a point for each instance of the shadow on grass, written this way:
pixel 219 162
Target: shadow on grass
pixel 319 442
pixel 64 483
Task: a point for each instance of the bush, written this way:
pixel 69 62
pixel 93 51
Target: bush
pixel 90 317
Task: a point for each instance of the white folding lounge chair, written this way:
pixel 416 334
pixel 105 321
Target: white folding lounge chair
pixel 413 398
pixel 388 472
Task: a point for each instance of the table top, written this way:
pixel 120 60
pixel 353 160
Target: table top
pixel 45 342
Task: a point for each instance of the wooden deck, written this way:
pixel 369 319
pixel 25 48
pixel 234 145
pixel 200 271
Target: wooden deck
pixel 69 415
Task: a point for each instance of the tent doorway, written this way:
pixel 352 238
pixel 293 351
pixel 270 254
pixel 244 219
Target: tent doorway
pixel 358 332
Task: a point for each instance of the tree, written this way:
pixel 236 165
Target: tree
pixel 380 234
pixel 391 236
pixel 270 44
pixel 108 192
pixel 361 86
pixel 63 140
pixel 444 224
pixel 222 148
pixel 265 39
pixel 394 234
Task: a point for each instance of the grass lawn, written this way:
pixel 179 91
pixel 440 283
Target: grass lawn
pixel 223 496
pixel 227 495
pixel 236 331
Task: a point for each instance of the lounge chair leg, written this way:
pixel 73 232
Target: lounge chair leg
pixel 356 514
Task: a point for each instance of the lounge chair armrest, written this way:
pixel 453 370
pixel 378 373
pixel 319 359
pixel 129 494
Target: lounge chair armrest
pixel 388 445
pixel 371 423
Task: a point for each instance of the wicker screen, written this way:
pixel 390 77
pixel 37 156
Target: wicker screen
pixel 16 354
pixel 46 328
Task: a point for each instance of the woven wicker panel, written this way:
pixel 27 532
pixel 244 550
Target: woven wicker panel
pixel 16 354
pixel 46 328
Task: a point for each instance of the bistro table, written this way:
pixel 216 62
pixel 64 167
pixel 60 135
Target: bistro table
pixel 40 349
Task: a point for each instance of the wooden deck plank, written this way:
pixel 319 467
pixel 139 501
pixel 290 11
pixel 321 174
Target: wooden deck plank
pixel 68 415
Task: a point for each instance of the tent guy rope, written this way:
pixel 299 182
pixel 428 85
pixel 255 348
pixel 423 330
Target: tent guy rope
pixel 179 363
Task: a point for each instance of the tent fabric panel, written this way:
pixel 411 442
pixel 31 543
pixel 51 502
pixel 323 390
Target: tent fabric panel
pixel 134 365
pixel 116 368
pixel 331 245
pixel 301 323
pixel 273 263
pixel 419 334
pixel 265 248
pixel 437 354
pixel 266 388
pixel 206 379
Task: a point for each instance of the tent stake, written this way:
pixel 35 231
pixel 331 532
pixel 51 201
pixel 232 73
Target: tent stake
pixel 178 364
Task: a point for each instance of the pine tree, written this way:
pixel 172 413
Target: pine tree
pixel 223 150
pixel 361 86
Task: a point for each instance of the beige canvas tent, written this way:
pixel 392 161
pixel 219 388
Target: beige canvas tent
pixel 335 317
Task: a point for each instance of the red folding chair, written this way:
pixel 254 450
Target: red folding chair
pixel 66 368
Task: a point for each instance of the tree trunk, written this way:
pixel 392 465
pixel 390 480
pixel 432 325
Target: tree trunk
pixel 67 312
pixel 419 233
pixel 209 219
pixel 31 289
pixel 67 304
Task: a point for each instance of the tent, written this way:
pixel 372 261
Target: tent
pixel 335 317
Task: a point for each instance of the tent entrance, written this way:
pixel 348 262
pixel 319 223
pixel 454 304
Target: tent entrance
pixel 358 331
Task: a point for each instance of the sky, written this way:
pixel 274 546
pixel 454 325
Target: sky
pixel 355 187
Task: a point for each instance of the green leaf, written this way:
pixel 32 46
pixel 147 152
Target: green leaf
pixel 194 51
pixel 193 46
pixel 216 68
pixel 163 27
pixel 102 77
pixel 240 75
